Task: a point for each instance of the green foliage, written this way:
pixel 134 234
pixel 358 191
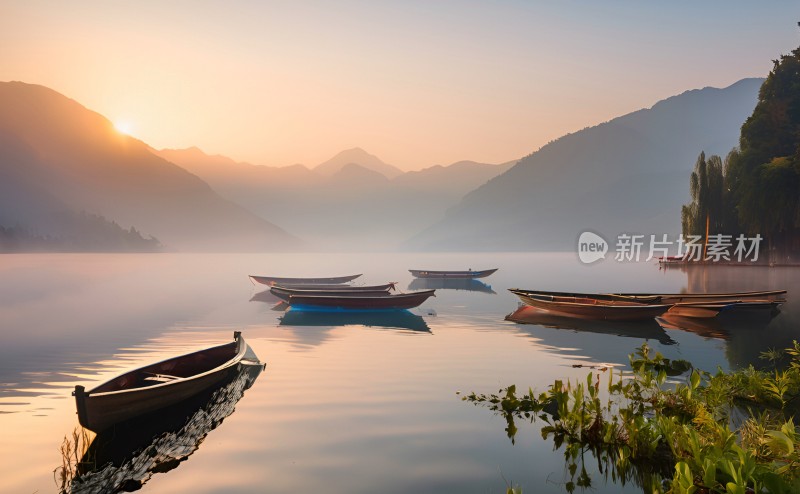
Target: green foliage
pixel 711 199
pixel 671 439
pixel 764 174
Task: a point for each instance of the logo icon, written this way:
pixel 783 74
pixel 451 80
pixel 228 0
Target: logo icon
pixel 591 247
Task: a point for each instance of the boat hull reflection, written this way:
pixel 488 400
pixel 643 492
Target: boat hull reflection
pixel 125 457
pixel 469 285
pixel 397 319
pixel 646 329
pixel 723 327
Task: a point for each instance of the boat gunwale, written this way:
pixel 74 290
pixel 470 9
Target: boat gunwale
pixel 612 304
pixel 424 273
pixel 653 297
pixel 732 303
pixel 375 297
pixel 335 289
pixel 241 350
pixel 324 280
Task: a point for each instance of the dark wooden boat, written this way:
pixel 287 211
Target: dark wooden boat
pixel 676 298
pixel 361 302
pixel 157 385
pixel 350 288
pixel 421 273
pixel 593 308
pixel 275 280
pixel 285 293
pixel 269 297
pixel 662 298
pixel 716 308
pixel 127 456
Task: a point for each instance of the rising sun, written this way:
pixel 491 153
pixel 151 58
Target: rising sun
pixel 123 127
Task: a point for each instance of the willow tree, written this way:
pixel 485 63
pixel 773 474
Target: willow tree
pixel 711 208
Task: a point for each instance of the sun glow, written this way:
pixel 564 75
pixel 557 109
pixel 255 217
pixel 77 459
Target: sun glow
pixel 123 127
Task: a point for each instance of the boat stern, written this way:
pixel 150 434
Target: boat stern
pixel 80 404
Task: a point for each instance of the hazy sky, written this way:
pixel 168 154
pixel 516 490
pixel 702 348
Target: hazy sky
pixel 414 82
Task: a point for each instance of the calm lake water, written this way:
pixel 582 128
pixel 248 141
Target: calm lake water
pixel 345 404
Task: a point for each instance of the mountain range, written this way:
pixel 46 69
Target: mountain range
pixel 627 175
pixel 352 201
pixel 56 156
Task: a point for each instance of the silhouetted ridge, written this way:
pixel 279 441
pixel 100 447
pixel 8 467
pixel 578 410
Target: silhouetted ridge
pixel 67 159
pixel 626 175
pixel 359 157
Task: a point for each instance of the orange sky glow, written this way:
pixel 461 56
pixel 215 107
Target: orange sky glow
pixel 415 83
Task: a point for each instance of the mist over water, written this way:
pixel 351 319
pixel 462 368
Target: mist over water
pixel 348 404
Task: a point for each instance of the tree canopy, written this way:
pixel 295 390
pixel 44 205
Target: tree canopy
pixel 757 190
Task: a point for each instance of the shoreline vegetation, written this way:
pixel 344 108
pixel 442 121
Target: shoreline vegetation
pixel 731 433
pixel 82 232
pixel 765 264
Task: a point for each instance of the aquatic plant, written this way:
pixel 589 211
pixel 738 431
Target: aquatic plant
pixel 731 433
pixel 73 449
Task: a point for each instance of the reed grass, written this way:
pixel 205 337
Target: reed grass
pixel 73 458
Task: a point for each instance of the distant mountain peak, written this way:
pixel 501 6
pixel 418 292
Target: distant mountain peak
pixel 354 171
pixel 359 157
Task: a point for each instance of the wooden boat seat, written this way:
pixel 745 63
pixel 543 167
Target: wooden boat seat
pixel 161 378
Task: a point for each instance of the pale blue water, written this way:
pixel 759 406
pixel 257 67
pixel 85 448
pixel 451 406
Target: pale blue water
pixel 348 403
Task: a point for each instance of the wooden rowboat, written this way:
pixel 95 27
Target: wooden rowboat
pixel 268 296
pixel 127 456
pixel 349 288
pixel 285 293
pixel 156 386
pixel 337 288
pixel 714 309
pixel 676 298
pixel 275 280
pixel 592 308
pixel 663 298
pixel 360 302
pixel 420 273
